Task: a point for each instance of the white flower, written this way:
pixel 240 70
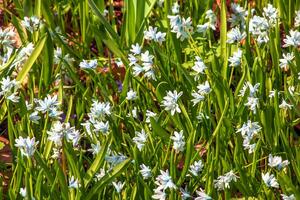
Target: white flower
pixel 252 89
pixel 147 58
pixel 291 90
pixel 252 103
pixel 145 171
pixel 54 113
pixel 13 97
pixel 258 25
pixel 238 15
pixel 99 110
pixel 59 58
pixel 299 76
pixel 56 153
pixel 72 135
pixel 164 180
pixel 199 66
pixel 175 8
pixel 88 64
pixel 272 93
pixel 29 106
pixel 271 14
pixel 150 114
pixel 49 103
pixel 27 146
pixel 131 95
pixel 140 139
pixel 292 40
pixel 277 162
pixel 105 13
pixel 248 146
pixel 202 195
pixel 175 21
pixel 178 141
pixel 202 28
pixel 22 56
pixel 115 159
pixel 118 186
pixel 74 183
pixel 132 60
pixel 297 18
pixel 270 180
pixel 212 19
pixel 119 62
pixel 23 192
pixel 236 58
pixel 34 117
pixel 184 193
pixel 133 113
pixel 262 38
pixel 286 60
pixel 6 40
pixel 160 3
pixel 100 175
pixel 31 24
pixel 59 130
pixel 160 37
pixel 235 35
pixel 150 34
pixel 284 105
pixel 159 194
pixel 197 98
pixel 56 133
pixel 101 127
pixel 87 125
pixel 181 26
pixel 95 148
pixel 196 167
pixel 222 182
pixel 203 90
pixel 9 89
pixel 170 102
pixel 286 197
pixel 136 49
pixel 249 129
pixel 202 116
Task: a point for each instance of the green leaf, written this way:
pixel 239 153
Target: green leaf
pixel 2 145
pixel 96 164
pixel 223 35
pixel 32 58
pixel 108 178
pixel 107 26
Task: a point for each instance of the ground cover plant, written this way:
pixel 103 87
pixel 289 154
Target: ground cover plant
pixel 149 99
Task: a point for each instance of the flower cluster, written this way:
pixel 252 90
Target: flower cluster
pixel 152 34
pixel 9 89
pixel 170 102
pixel 96 122
pixel 181 26
pixel 222 182
pixel 31 23
pixel 248 131
pixel 27 146
pixel 163 182
pixel 142 63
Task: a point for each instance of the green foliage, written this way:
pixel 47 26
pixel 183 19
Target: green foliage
pixel 96 126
